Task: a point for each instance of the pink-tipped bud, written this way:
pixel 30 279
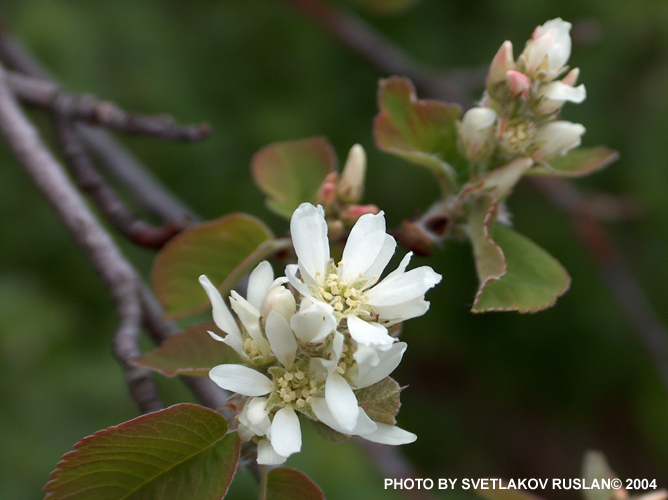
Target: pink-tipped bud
pixel 572 77
pixel 350 215
pixel 281 300
pixel 518 84
pixel 327 193
pixel 503 62
pixel 351 185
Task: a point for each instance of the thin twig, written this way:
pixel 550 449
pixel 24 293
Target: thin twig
pixel 118 162
pixel 363 40
pixel 87 108
pixel 89 181
pixel 116 273
pixel 621 281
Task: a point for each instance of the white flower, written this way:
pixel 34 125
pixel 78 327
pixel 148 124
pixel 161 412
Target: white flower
pixel 351 288
pixel 556 139
pixel 548 50
pixel 477 133
pixel 264 294
pixel 555 94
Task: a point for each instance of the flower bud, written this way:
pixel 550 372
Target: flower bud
pixel 281 300
pixel 548 50
pixel 556 139
pixel 518 84
pixel 552 96
pixel 351 185
pixel 477 134
pixel 326 195
pixel 502 62
pixel 350 215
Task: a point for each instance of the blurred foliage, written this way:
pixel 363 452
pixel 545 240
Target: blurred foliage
pixel 495 395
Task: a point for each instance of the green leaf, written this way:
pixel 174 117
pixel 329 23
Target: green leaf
pixel 423 132
pixel 595 466
pixel 515 274
pixel 191 352
pixel 381 400
pixel 224 249
pixel 291 172
pixel 579 162
pixel 284 483
pixel 172 454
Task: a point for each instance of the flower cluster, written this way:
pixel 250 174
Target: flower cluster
pixel 518 116
pixel 310 355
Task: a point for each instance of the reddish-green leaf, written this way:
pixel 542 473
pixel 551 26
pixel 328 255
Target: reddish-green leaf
pixel 191 352
pixel 172 454
pixel 284 483
pixel 224 249
pixel 423 132
pixel 515 274
pixel 291 172
pixel 577 163
pixel 381 401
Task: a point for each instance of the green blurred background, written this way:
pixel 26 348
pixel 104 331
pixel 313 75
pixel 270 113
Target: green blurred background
pixel 497 395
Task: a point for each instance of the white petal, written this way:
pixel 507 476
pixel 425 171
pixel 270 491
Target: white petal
pixel 337 345
pixel 383 258
pixel 309 237
pixel 221 314
pixel 314 323
pixel 231 340
pixel 266 454
pixel 259 282
pixel 281 338
pixel 366 356
pixel 300 286
pixel 403 287
pixel 558 91
pixel 364 424
pixel 341 401
pixel 390 434
pixel 241 379
pixel 245 434
pixel 250 317
pixel 391 315
pixel 365 242
pixel 286 436
pixel 257 410
pixel 369 334
pixel 388 361
pixel 401 269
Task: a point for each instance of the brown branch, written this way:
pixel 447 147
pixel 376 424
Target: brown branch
pixel 145 188
pixel 363 40
pixel 87 108
pixel 89 181
pixel 116 273
pixel 646 323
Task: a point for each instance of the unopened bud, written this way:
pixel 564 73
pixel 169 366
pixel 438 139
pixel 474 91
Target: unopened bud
pixel 548 50
pixel 552 96
pixel 281 300
pixel 351 185
pixel 556 139
pixel 335 229
pixel 502 63
pixel 518 84
pixel 326 195
pixel 350 215
pixel 477 138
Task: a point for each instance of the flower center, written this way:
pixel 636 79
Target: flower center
pixel 346 298
pixel 295 388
